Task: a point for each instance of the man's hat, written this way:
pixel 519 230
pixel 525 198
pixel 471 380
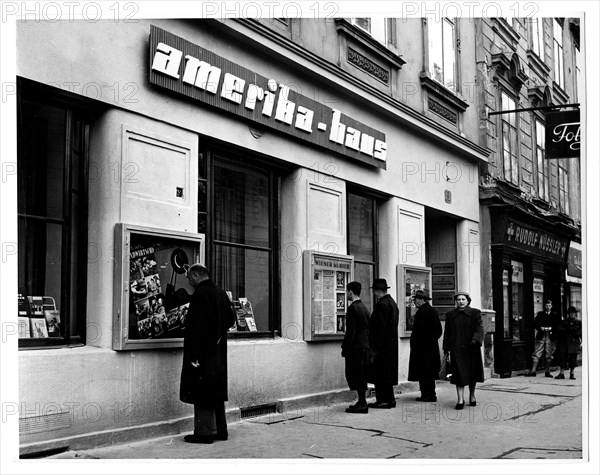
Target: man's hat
pixel 421 294
pixel 571 309
pixel 380 284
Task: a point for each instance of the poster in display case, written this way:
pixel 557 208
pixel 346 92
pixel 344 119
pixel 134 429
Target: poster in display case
pixel 325 304
pixel 410 279
pixel 151 291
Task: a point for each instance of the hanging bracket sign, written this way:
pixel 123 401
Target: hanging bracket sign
pixel 563 135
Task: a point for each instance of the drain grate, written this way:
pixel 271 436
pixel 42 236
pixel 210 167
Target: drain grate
pixel 260 410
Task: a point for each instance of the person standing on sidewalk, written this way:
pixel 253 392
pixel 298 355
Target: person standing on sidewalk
pixel 355 347
pixel 569 343
pixel 546 323
pixel 463 337
pixel 383 346
pixel 204 370
pixel 424 362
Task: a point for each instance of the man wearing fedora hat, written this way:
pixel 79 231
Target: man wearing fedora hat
pixel 383 344
pixel 424 360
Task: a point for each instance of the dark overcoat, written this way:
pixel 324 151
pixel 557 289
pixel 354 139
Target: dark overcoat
pixel 543 319
pixel 463 337
pixel 209 317
pixel 424 360
pixel 383 341
pixel 569 339
pixel 355 347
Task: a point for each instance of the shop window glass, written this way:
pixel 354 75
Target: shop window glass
pixel 442 52
pixel 563 187
pixel 243 242
pixel 361 241
pixel 505 304
pixel 52 232
pixel 518 323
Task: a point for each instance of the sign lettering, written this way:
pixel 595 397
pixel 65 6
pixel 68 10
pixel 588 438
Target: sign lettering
pixel 202 75
pixel 563 135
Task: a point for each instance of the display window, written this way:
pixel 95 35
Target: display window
pixel 52 226
pixel 362 226
pixel 242 209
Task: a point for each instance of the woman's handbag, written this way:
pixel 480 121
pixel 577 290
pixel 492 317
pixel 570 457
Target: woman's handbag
pixel 447 366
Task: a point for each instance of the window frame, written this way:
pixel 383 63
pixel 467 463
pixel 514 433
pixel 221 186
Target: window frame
pixel 74 258
pixel 360 193
pixel 542 177
pixel 537 38
pixel 563 186
pixel 453 86
pixel 215 155
pixel 558 50
pixel 388 38
pixel 513 171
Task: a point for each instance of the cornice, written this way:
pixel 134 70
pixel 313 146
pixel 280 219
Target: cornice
pixel 327 71
pixel 506 32
pixel 345 27
pixel 437 88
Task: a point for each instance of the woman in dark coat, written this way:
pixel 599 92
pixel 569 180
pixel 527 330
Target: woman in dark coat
pixel 204 370
pixel 463 337
pixel 424 362
pixel 569 342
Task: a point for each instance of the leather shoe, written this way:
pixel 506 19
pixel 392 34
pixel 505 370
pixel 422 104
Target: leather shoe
pixel 572 377
pixel 473 403
pixel 356 409
pixel 530 373
pixel 198 439
pixel 559 376
pixel 420 398
pixel 382 405
pixel 548 374
pixel 429 399
pixel 459 406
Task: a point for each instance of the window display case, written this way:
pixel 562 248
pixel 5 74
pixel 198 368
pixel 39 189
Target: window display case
pixel 410 279
pixel 325 304
pixel 151 291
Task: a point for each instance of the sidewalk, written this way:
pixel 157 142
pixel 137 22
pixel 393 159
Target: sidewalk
pixel 515 418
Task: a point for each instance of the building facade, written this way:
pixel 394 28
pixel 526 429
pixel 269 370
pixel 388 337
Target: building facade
pixel 289 156
pixel 530 205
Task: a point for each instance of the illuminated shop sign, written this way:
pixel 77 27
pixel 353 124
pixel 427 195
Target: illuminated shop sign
pixel 186 68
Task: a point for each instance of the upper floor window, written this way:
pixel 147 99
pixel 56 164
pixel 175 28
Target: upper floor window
pixel 381 29
pixel 578 76
pixel 442 51
pixel 537 36
pixel 510 157
pixel 563 187
pixel 559 71
pixel 542 163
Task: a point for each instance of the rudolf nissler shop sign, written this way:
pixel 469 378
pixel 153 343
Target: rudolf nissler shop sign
pixel 188 69
pixel 563 134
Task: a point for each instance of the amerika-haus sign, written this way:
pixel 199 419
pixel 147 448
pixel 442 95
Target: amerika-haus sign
pixel 186 68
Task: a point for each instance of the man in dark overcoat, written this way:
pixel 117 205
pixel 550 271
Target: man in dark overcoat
pixel 383 346
pixel 569 343
pixel 204 370
pixel 355 347
pixel 424 362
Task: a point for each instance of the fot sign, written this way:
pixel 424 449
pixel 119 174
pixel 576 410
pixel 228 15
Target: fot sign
pixel 563 135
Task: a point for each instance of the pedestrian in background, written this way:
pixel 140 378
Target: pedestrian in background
pixel 383 346
pixel 355 347
pixel 546 323
pixel 463 337
pixel 569 343
pixel 424 361
pixel 204 370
